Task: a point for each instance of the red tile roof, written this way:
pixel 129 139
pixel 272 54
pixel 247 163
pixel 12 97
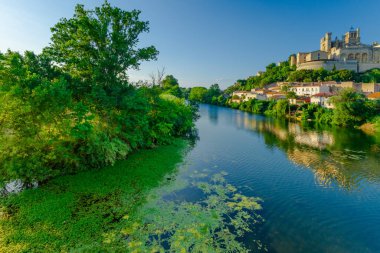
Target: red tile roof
pixel 374 95
pixel 323 94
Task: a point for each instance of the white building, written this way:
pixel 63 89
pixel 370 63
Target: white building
pixel 257 96
pixel 309 90
pixel 322 99
pixel 247 95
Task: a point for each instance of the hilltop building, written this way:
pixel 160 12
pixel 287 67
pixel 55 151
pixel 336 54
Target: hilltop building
pixel 347 53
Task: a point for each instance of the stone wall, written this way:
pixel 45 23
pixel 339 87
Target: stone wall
pixel 370 87
pixel 367 66
pixel 329 65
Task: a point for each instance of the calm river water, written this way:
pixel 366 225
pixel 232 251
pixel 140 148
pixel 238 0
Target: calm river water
pixel 320 187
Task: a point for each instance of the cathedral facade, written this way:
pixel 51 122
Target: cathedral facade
pixel 347 53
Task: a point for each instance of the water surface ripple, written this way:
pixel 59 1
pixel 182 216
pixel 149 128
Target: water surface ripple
pixel 320 186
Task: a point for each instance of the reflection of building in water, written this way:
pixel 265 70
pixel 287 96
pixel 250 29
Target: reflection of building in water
pixel 311 138
pixel 320 152
pixel 326 170
pixel 284 131
pixel 346 168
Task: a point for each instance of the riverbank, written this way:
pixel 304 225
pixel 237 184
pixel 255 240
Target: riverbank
pixel 359 114
pixel 86 211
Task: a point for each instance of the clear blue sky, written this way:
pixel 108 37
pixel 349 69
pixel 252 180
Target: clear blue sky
pixel 206 41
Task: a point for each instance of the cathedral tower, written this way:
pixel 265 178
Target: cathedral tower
pixel 352 37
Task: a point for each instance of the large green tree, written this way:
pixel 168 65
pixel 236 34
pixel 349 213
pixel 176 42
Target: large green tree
pixel 198 94
pixel 98 46
pixel 213 92
pixel 351 108
pixel 169 82
pixel 170 85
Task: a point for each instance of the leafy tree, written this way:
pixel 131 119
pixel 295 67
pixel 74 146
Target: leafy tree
pixel 98 46
pixel 222 100
pixel 198 94
pixel 213 93
pixel 169 82
pixel 350 108
pixel 323 115
pixel 185 92
pixel 309 111
pixel 370 76
pixel 171 86
pixel 291 94
pixel 278 108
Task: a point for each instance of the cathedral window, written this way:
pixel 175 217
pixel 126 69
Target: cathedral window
pixel 364 57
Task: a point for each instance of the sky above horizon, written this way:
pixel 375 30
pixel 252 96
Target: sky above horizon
pixel 202 42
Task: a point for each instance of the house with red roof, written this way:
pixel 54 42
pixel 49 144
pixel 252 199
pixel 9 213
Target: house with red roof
pixel 374 96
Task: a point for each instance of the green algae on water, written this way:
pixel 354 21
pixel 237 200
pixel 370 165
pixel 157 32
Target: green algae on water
pixel 215 223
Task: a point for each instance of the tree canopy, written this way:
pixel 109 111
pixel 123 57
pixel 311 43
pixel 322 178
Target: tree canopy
pixel 72 107
pixel 170 85
pixel 99 46
pixel 198 94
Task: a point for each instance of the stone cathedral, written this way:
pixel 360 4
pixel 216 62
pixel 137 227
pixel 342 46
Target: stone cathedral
pixel 347 53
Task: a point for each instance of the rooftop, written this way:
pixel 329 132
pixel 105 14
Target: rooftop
pixel 323 94
pixel 374 95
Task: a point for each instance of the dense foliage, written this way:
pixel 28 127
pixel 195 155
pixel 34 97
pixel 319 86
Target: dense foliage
pixel 171 86
pixel 213 95
pixel 284 72
pixel 72 108
pixel 351 109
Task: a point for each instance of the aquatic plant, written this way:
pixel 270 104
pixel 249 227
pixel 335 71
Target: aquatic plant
pixel 214 223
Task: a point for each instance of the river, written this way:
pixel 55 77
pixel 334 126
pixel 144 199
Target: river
pixel 320 187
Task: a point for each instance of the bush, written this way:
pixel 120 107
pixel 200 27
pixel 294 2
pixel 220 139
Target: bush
pixel 72 108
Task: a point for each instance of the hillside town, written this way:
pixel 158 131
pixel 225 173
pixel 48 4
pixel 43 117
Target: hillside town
pixel 306 92
pixel 349 53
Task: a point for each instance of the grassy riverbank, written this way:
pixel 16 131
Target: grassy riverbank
pixel 87 211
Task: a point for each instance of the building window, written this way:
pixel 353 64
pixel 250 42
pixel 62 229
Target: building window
pixel 364 57
pixel 357 57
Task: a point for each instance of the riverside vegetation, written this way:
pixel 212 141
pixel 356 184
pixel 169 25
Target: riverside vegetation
pixel 351 109
pixel 72 108
pixel 116 209
pixel 69 120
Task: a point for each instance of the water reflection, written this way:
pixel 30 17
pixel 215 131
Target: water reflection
pixel 339 156
pixel 213 114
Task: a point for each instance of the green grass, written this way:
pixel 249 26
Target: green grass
pixel 87 211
